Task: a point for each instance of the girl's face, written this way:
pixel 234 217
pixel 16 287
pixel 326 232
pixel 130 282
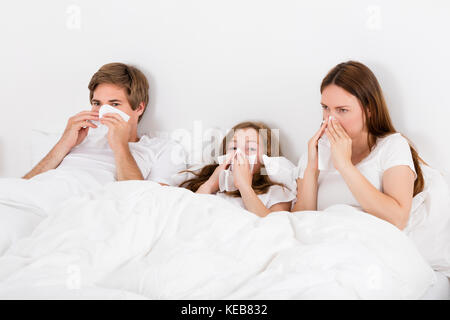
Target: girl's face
pixel 248 141
pixel 345 108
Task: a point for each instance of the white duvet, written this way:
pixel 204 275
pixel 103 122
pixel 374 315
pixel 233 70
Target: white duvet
pixel 25 203
pixel 136 239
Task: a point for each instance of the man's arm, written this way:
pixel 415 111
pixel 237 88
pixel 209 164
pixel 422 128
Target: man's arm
pixel 50 161
pixel 126 166
pixel 118 138
pixel 75 132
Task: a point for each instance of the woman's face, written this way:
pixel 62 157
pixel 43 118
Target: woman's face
pixel 247 140
pixel 345 108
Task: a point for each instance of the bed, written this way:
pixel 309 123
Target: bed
pixel 440 290
pixel 136 239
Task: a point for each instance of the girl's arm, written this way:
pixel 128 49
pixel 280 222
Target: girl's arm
pixel 211 186
pixel 243 180
pixel 254 204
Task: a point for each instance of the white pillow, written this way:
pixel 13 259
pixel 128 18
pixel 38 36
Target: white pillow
pixel 281 170
pixel 41 143
pixel 447 178
pixel 429 222
pixel 180 177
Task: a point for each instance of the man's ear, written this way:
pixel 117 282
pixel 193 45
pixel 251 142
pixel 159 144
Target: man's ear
pixel 140 109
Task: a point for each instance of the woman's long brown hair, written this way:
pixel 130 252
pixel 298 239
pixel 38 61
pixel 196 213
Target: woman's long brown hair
pixel 260 183
pixel 357 79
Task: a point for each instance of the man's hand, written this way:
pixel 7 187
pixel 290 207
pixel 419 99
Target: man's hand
pixel 77 129
pixel 118 131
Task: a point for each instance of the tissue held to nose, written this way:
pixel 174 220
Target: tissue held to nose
pixel 324 153
pixel 226 180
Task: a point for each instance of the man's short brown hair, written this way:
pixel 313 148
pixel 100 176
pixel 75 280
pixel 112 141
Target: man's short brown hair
pixel 128 77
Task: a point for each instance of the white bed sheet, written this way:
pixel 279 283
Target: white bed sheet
pixel 440 290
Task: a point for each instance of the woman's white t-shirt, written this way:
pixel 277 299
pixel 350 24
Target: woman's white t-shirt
pixel 275 194
pixel 390 151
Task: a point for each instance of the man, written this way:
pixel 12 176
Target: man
pixel 91 152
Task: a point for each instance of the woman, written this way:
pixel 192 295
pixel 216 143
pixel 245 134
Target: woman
pixel 373 167
pixel 255 191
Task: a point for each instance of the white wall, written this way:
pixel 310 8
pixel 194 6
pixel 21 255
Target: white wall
pixel 221 62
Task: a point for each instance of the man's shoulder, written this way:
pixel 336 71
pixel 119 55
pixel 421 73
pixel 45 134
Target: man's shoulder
pixel 158 144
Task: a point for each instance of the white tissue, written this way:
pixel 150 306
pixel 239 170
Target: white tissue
pixel 97 137
pixel 324 154
pixel 106 108
pixel 226 180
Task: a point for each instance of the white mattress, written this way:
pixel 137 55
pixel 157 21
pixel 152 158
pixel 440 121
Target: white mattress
pixel 440 290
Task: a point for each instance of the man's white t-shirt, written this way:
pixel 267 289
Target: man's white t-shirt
pixel 91 165
pixel 275 194
pixel 390 151
pixel 158 159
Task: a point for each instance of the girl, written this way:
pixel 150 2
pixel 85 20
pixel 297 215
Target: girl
pixel 374 167
pixel 255 192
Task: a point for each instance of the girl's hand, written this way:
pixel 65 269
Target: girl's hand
pixel 213 182
pixel 312 147
pixel 242 174
pixel 341 145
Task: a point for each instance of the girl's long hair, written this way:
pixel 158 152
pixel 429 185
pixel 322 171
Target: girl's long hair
pixel 357 79
pixel 260 183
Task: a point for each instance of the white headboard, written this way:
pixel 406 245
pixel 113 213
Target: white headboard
pixel 222 62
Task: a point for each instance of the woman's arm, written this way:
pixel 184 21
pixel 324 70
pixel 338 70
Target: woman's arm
pixel 394 203
pixel 307 191
pixel 307 186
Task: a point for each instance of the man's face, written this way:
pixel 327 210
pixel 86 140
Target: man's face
pixel 115 96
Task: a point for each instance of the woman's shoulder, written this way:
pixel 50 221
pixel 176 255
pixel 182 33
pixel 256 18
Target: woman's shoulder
pixel 393 140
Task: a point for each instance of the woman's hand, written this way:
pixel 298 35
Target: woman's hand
pixel 341 145
pixel 242 175
pixel 312 147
